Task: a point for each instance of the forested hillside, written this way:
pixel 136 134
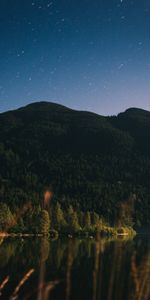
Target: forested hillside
pixel 93 162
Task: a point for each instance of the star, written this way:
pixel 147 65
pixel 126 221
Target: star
pixel 49 4
pixel 121 66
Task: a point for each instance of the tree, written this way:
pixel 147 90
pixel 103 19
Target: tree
pixel 58 219
pixel 81 218
pixel 72 220
pixel 87 220
pixel 7 220
pixel 31 218
pixel 44 222
pixel 126 210
pixel 95 219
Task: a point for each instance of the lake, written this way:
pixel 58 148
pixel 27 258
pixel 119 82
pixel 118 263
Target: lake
pixel 63 269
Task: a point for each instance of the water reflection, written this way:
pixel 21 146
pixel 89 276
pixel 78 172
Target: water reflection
pixel 75 269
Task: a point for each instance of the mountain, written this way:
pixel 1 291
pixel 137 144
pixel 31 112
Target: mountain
pixel 93 162
pixel 60 129
pixel 137 123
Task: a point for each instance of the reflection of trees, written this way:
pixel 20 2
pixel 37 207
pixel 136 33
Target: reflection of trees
pixel 72 252
pixel 7 250
pixel 96 277
pixel 57 254
pixel 44 287
pixel 109 270
pixel 118 271
pixel 44 253
pixel 119 274
pixel 140 275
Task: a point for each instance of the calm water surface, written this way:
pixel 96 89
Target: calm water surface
pixel 75 269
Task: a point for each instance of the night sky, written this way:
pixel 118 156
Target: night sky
pixel 86 54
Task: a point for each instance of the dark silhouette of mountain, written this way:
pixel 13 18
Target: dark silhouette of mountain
pixel 93 161
pixel 136 122
pixel 61 129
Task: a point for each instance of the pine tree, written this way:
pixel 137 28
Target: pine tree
pixel 72 220
pixel 58 219
pixel 44 222
pixel 7 220
pixel 87 220
pixel 95 219
pixel 81 218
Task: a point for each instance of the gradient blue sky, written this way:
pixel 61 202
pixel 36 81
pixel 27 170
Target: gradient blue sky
pixel 86 54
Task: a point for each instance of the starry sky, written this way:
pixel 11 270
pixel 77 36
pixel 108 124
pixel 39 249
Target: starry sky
pixel 86 54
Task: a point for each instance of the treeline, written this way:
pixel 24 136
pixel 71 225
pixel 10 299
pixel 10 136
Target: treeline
pixel 35 220
pixel 88 183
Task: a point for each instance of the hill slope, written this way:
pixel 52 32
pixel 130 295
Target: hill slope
pixel 93 161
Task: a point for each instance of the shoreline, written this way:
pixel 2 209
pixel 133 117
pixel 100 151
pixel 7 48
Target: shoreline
pixel 114 234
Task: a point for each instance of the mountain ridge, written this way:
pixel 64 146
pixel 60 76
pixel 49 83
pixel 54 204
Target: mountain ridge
pixel 43 103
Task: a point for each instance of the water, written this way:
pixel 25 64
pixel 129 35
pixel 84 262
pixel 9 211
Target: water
pixel 63 269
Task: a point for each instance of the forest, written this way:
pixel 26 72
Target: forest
pixel 93 163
